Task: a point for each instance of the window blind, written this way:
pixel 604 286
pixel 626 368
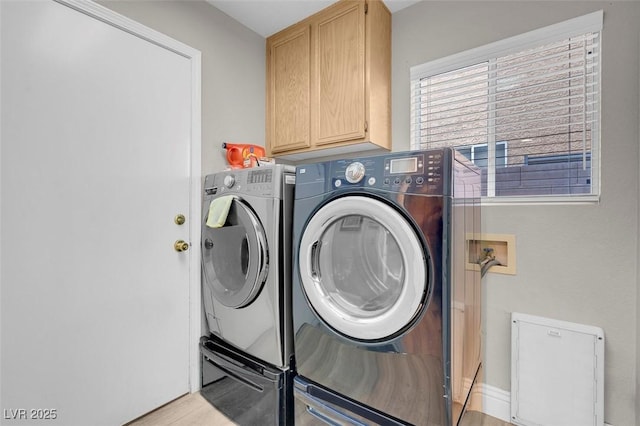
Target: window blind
pixel 527 113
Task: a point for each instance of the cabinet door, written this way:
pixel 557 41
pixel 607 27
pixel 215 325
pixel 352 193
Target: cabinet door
pixel 339 74
pixel 289 66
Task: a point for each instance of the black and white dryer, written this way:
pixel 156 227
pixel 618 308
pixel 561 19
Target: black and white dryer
pixel 386 306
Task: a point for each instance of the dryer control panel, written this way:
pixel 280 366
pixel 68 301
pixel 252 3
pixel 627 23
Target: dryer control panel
pixel 419 172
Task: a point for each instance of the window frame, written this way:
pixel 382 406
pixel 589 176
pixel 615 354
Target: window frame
pixel 473 148
pixel 591 22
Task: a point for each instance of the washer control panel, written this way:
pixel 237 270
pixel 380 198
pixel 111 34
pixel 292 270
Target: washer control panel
pixel 255 181
pixel 413 172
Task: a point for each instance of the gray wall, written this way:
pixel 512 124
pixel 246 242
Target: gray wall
pixel 575 262
pixel 638 295
pixel 233 69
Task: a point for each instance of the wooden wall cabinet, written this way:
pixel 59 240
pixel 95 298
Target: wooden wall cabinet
pixel 329 83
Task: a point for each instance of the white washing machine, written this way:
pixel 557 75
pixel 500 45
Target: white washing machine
pixel 246 262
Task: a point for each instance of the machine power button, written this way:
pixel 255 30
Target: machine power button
pixel 229 180
pixel 355 172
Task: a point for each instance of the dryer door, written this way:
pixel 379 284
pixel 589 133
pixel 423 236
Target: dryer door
pixel 235 257
pixel 363 268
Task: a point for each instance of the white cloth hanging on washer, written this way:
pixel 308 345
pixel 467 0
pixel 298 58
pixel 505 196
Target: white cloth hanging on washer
pixel 218 211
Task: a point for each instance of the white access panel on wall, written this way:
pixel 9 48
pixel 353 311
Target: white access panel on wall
pixel 557 372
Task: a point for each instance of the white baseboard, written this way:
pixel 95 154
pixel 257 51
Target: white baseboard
pixel 497 402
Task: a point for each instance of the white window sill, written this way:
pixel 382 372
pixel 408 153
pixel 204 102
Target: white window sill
pixel 540 200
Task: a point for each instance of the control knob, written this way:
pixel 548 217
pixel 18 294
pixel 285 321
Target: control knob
pixel 355 172
pixel 229 181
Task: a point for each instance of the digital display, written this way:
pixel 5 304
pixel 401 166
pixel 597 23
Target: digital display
pixel 404 165
pixel 260 176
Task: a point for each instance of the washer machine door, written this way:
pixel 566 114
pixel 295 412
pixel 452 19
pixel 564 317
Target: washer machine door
pixel 235 257
pixel 363 268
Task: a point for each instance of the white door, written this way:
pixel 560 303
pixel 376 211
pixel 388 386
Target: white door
pixel 363 268
pixel 97 132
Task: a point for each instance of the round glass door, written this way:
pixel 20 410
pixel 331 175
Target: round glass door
pixel 234 257
pixel 363 268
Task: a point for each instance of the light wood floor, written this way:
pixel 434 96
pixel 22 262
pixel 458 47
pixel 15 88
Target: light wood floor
pixel 189 410
pixel 194 410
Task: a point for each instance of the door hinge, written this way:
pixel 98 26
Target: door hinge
pixel 366 8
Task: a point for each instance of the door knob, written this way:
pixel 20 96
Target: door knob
pixel 179 219
pixel 181 245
